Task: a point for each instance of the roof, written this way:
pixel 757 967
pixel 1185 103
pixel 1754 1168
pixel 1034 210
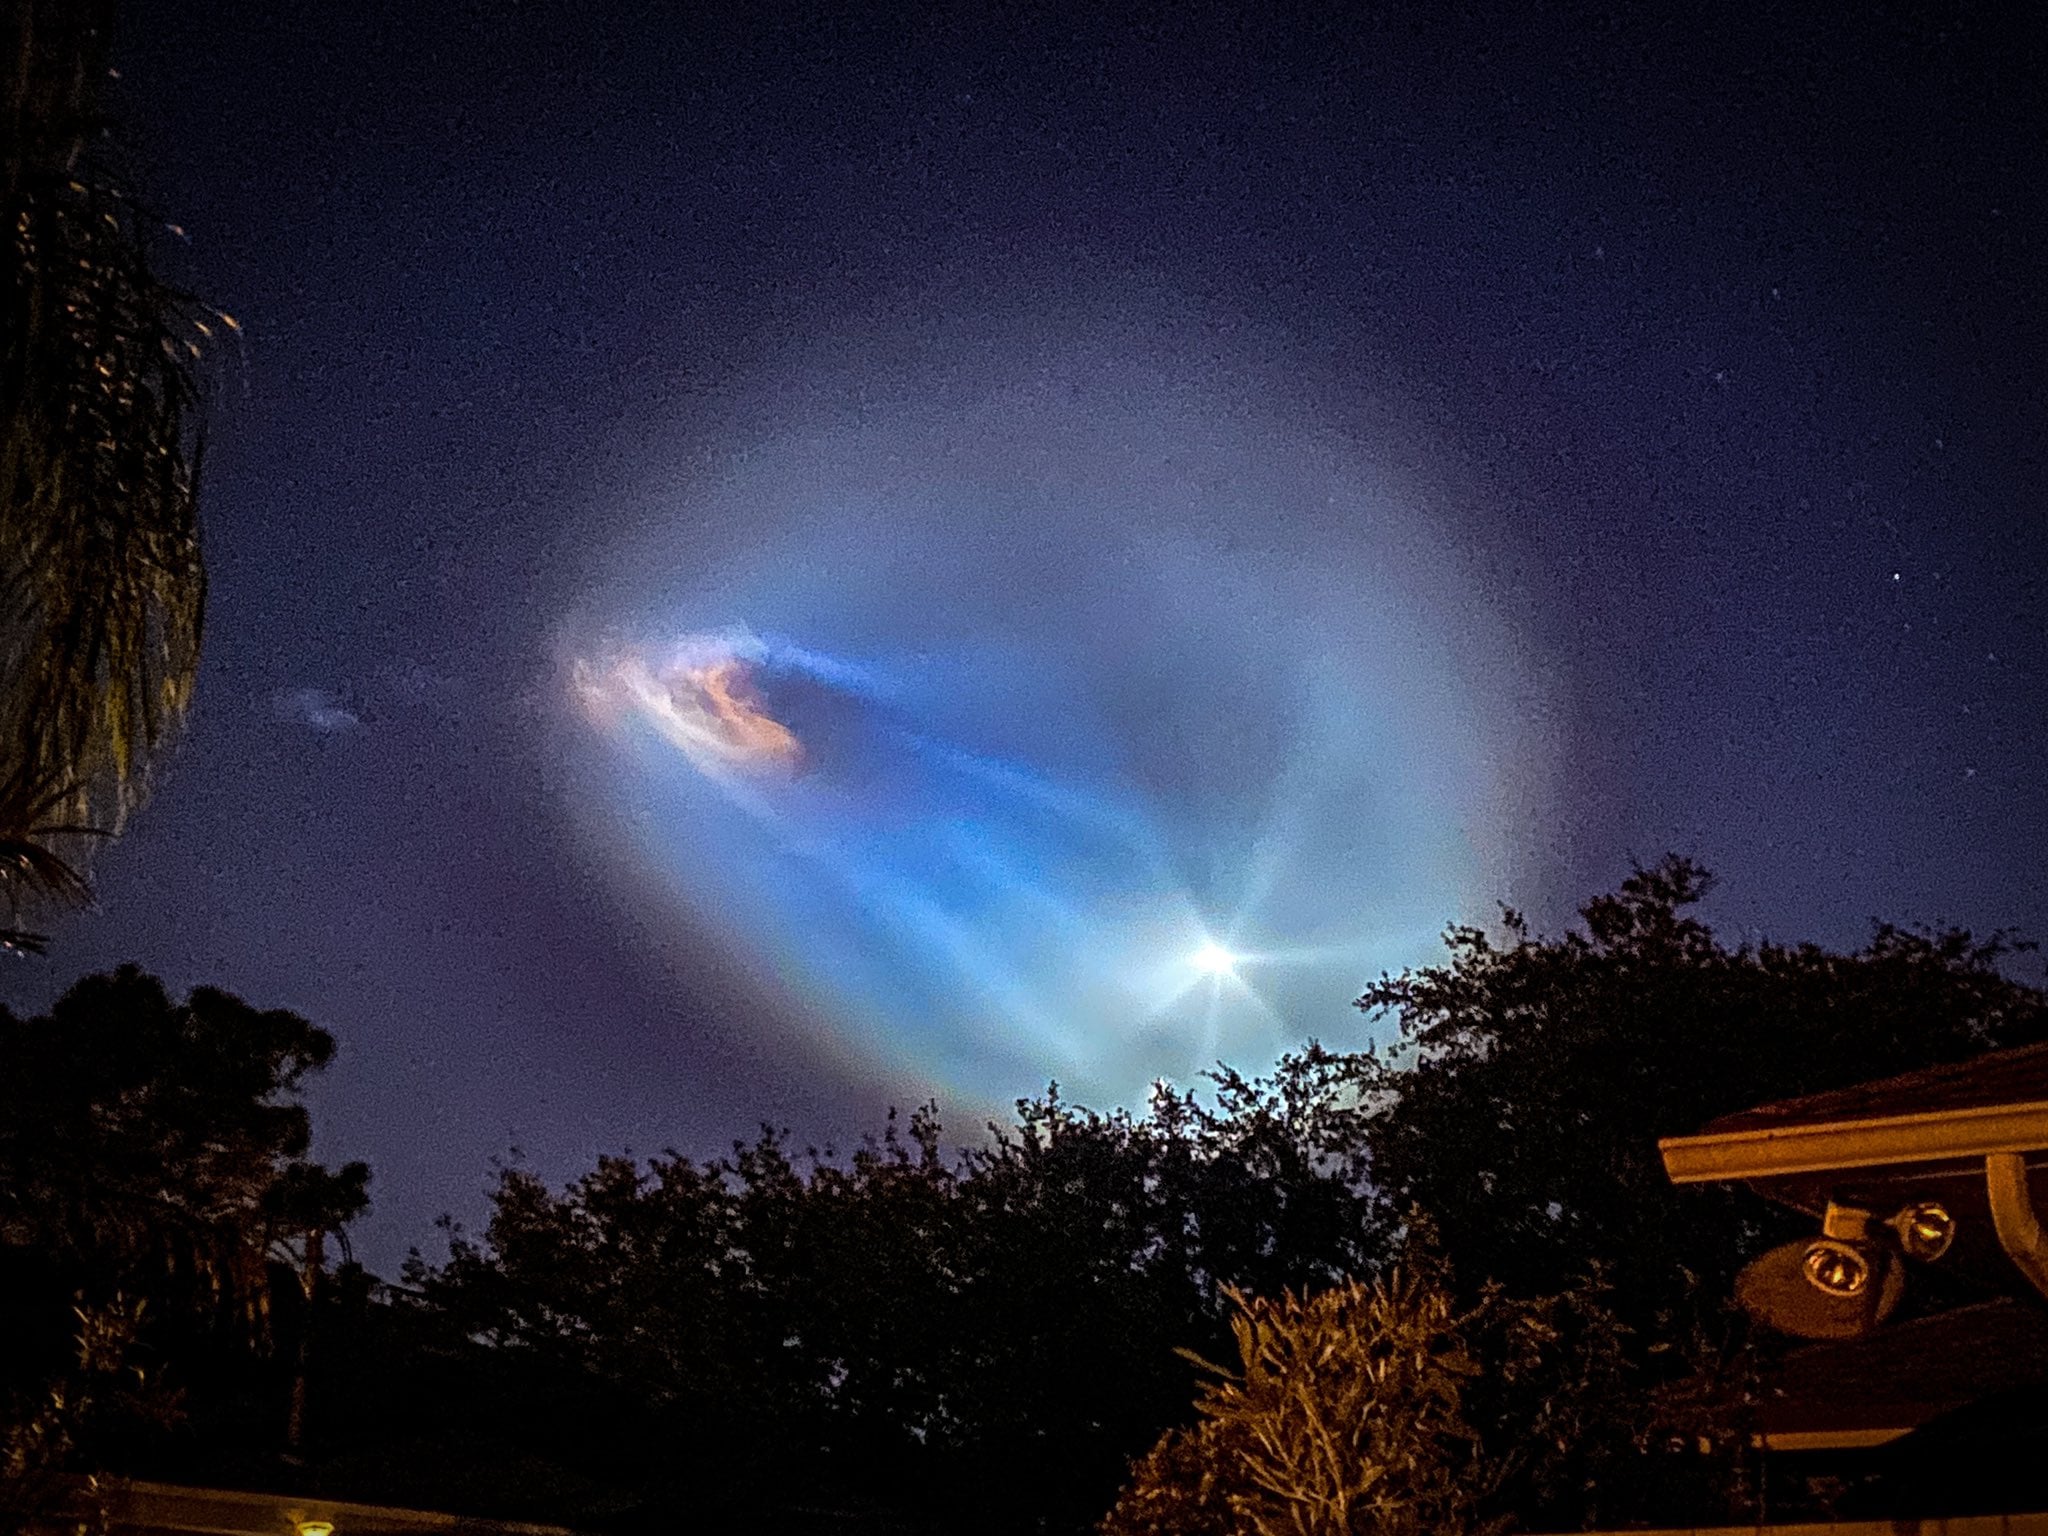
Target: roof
pixel 1871 1390
pixel 2015 1076
pixel 1890 1142
pixel 1964 1136
pixel 164 1509
pixel 1934 1119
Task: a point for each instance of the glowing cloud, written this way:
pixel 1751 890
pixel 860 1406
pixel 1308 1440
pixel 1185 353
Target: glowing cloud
pixel 703 700
pixel 1001 733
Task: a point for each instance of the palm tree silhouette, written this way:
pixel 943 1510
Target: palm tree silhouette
pixel 101 584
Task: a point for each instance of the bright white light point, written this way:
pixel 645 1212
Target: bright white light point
pixel 1215 960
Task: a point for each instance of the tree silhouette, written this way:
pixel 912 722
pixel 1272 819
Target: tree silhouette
pixel 911 1338
pixel 153 1177
pixel 1520 1105
pixel 101 584
pixel 986 1336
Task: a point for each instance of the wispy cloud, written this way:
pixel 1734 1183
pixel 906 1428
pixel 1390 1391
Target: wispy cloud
pixel 317 709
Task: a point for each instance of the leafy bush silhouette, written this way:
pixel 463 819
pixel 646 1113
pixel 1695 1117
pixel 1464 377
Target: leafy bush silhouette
pixel 1349 1414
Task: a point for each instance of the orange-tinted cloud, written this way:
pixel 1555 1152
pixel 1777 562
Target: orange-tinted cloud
pixel 724 690
pixel 710 708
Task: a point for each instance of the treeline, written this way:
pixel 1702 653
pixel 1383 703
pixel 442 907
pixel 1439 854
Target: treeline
pixel 1462 1243
pixel 985 1336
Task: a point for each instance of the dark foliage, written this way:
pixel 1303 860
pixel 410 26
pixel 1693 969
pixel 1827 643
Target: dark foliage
pixel 156 1212
pixel 1351 1413
pixel 1519 1108
pixel 908 1338
pixel 1521 1104
pixel 986 1336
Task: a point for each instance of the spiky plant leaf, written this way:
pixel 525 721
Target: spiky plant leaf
pixel 101 585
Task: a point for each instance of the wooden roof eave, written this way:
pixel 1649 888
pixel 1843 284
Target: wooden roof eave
pixel 1942 1136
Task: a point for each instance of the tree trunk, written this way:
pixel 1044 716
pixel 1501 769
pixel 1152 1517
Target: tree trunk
pixel 295 1425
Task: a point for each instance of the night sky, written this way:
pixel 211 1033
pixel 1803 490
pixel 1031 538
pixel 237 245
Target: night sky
pixel 1213 479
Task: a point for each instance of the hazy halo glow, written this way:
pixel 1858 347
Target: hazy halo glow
pixel 966 724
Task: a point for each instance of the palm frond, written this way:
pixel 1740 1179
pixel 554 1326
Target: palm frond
pixel 34 874
pixel 102 590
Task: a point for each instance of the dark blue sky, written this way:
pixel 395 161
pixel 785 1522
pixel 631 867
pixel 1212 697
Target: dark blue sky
pixel 1699 354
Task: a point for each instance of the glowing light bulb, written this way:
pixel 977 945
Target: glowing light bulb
pixel 1214 960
